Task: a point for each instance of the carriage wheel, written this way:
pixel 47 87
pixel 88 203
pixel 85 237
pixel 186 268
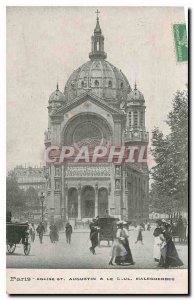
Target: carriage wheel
pixel 27 247
pixel 11 248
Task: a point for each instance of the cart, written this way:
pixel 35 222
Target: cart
pixel 107 230
pixel 17 233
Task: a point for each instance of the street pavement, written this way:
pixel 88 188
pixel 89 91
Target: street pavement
pixel 77 255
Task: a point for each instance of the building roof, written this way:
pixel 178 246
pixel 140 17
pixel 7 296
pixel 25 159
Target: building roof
pixel 135 95
pixel 57 96
pixel 98 75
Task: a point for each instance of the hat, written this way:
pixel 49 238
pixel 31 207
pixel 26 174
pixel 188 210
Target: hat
pixel 124 223
pixel 164 221
pixel 119 222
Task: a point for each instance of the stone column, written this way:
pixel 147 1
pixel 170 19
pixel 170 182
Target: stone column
pixel 62 196
pixel 109 198
pixel 65 201
pixel 96 200
pixel 79 201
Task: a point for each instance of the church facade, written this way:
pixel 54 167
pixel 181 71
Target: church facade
pixel 97 107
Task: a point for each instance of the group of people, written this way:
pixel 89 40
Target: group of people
pixel 40 231
pixel 53 234
pixel 120 252
pixel 165 252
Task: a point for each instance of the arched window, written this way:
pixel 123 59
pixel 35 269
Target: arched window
pixel 141 119
pixel 82 83
pixel 98 46
pixel 121 84
pixel 110 83
pixel 130 119
pixel 96 82
pixel 135 117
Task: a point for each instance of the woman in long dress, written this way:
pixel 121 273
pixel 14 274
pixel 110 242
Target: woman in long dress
pixel 118 250
pixel 54 237
pixel 169 256
pixel 157 241
pixel 122 236
pixel 139 235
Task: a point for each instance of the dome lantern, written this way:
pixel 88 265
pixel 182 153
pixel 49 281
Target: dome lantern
pixel 97 42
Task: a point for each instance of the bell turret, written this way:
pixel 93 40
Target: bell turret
pixel 97 42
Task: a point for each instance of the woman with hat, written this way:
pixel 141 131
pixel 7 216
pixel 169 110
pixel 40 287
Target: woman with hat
pixel 169 256
pixel 157 241
pixel 118 250
pixel 122 236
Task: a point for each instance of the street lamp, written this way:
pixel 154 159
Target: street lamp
pixel 42 197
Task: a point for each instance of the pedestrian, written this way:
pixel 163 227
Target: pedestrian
pixel 139 235
pixel 93 236
pixel 40 231
pixel 148 226
pixel 122 236
pixel 117 250
pixel 32 231
pixel 180 229
pixel 54 237
pixel 157 241
pixel 169 256
pixel 68 231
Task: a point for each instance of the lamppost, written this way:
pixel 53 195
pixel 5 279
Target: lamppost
pixel 42 197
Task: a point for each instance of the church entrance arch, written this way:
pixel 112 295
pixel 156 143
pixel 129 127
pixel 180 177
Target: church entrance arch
pixel 88 202
pixel 72 203
pixel 102 202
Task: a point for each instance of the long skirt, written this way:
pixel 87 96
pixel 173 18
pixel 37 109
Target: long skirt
pixel 118 249
pixel 157 246
pixel 54 237
pixel 139 237
pixel 128 259
pixel 169 256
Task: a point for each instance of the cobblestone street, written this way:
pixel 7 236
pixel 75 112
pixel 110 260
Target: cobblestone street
pixel 77 255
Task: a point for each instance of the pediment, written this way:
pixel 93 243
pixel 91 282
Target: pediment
pixel 87 97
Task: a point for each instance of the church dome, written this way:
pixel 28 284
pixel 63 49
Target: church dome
pixel 98 75
pixel 101 78
pixel 57 96
pixel 135 95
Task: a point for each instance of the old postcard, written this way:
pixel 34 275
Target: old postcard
pixel 97 150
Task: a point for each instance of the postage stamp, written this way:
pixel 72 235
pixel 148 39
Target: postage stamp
pixel 181 43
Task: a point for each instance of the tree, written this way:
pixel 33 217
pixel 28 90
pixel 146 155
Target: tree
pixel 170 175
pixel 32 198
pixel 15 201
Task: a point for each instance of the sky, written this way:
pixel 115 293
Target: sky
pixel 46 44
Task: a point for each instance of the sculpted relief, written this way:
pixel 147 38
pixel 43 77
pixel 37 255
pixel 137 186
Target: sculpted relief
pixel 88 171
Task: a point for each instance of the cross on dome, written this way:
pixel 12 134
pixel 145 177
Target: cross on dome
pixel 97 12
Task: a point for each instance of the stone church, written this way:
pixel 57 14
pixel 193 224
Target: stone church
pixel 97 107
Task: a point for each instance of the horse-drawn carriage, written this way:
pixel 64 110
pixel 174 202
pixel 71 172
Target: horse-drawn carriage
pixel 17 233
pixel 108 228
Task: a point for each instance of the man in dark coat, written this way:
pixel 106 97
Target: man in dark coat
pixel 68 231
pixel 40 231
pixel 93 236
